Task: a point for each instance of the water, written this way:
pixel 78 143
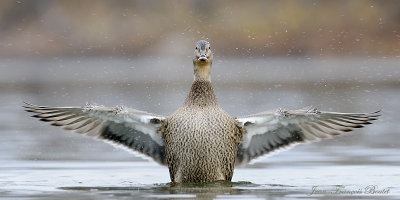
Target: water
pixel 42 162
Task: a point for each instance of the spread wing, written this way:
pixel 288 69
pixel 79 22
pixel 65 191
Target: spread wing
pixel 136 130
pixel 269 131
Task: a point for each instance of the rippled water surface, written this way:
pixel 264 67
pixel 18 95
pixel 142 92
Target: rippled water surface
pixel 42 162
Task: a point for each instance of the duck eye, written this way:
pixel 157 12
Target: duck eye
pixel 197 48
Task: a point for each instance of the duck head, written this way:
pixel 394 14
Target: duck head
pixel 202 60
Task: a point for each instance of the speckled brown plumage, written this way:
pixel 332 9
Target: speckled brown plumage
pixel 201 140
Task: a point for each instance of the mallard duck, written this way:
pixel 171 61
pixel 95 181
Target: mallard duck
pixel 200 142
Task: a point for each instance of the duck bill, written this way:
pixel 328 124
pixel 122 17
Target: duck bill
pixel 203 58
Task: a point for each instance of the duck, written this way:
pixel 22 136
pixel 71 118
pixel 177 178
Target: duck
pixel 200 142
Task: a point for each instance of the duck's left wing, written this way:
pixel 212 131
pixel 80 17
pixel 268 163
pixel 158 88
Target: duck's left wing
pixel 134 129
pixel 269 131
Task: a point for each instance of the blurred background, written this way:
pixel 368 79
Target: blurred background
pixel 43 28
pixel 337 55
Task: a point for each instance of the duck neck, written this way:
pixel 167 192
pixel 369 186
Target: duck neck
pixel 201 94
pixel 202 71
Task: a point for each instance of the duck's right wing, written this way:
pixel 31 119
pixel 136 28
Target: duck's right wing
pixel 136 130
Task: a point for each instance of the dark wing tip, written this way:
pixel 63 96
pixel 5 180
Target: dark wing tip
pixel 378 111
pixel 375 114
pixel 28 107
pixel 26 103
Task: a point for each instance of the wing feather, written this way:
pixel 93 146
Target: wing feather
pixel 136 130
pixel 273 130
